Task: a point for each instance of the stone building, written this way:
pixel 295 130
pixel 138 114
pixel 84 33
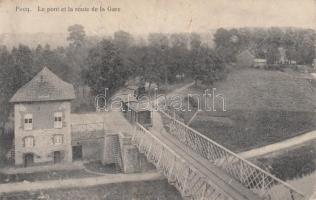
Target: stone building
pixel 42 131
pixel 46 132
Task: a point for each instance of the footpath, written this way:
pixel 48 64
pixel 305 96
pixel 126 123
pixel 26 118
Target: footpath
pixel 286 144
pixel 78 182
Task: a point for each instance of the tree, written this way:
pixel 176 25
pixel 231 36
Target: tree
pixel 305 46
pixel 226 42
pixel 158 40
pixel 156 69
pixel 6 63
pixel 159 56
pixel 123 40
pixel 273 54
pixel 76 53
pixel 195 41
pixel 15 71
pixel 208 67
pixel 195 50
pixel 76 36
pixel 23 64
pixel 178 58
pixel 148 65
pixel 105 68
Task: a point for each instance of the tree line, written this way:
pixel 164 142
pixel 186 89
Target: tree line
pixel 160 58
pixel 298 44
pixel 108 63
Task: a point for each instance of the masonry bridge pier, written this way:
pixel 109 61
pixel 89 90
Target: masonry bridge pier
pixel 202 169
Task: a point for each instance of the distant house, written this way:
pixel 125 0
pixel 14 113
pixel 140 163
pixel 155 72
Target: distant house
pixel 245 59
pixel 259 63
pixel 42 131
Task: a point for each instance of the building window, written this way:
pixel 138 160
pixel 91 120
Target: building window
pixel 58 139
pixel 29 142
pixel 28 122
pixel 58 120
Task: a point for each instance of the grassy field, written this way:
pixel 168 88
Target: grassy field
pixel 241 130
pixel 263 107
pixel 302 162
pixel 148 190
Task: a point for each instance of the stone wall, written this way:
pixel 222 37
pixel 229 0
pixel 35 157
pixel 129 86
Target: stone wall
pixel 92 149
pixel 133 161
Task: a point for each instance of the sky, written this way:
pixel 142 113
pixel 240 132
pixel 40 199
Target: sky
pixel 146 16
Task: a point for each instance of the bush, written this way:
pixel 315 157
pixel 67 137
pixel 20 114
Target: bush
pixel 191 101
pixel 275 67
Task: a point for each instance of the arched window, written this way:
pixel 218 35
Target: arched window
pixel 28 142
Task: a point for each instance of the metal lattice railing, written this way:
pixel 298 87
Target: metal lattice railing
pixel 249 175
pixel 188 180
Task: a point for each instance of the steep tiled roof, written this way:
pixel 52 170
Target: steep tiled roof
pixel 45 86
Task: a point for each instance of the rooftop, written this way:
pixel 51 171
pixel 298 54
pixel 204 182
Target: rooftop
pixel 45 86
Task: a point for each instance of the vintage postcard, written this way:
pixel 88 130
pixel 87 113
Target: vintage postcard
pixel 157 100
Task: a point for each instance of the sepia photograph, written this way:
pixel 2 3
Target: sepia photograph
pixel 157 100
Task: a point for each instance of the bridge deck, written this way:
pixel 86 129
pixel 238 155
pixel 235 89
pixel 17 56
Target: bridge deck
pixel 229 186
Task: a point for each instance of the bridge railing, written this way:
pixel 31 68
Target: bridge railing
pixel 188 180
pixel 251 176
